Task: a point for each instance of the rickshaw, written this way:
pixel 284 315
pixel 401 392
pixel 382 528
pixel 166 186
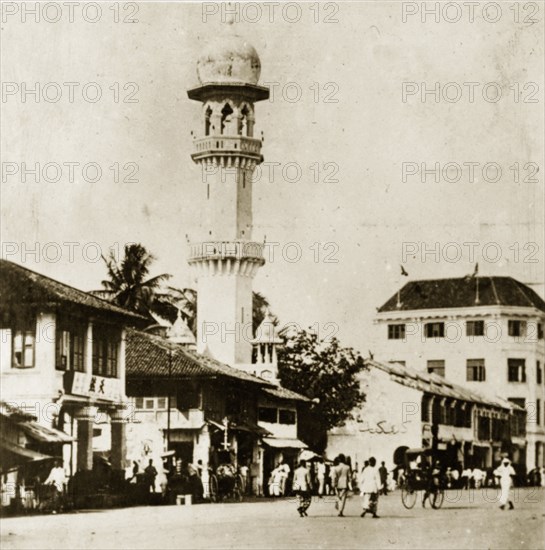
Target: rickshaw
pixel 421 474
pixel 226 484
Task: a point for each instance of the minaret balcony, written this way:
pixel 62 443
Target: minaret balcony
pixel 227 146
pixel 227 250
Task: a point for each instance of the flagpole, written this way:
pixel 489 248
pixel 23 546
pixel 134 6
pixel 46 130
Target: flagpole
pixel 476 275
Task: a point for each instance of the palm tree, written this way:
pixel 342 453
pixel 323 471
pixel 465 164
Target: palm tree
pixel 127 279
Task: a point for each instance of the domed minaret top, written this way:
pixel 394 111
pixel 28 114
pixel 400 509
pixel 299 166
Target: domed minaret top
pixel 228 59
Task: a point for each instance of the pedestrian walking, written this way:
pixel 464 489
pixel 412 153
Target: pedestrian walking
pixel 302 488
pixel 57 479
pixel 383 472
pixel 150 473
pixel 478 477
pixel 275 481
pixel 244 471
pixel 341 483
pixel 321 475
pixel 505 473
pixel 370 485
pixel 284 475
pixel 466 477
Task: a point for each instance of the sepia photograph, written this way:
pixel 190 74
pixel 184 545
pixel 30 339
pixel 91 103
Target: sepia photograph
pixel 272 275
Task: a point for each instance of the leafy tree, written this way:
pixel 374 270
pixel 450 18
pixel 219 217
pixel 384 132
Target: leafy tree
pixel 325 372
pixel 127 279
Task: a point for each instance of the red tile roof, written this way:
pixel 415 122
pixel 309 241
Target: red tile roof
pixel 20 285
pixel 147 356
pixel 461 293
pixel 437 385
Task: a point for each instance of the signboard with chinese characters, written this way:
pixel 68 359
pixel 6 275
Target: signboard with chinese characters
pixel 91 385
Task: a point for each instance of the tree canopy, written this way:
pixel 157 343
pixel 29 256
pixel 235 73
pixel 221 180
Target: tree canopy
pixel 127 279
pixel 325 372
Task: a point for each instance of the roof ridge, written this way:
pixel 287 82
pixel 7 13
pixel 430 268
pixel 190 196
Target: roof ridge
pixel 518 285
pixel 70 287
pixel 492 284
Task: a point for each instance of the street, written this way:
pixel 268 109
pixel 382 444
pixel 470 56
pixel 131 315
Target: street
pixel 468 519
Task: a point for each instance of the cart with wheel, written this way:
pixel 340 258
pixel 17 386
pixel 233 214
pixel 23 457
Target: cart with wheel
pixel 423 477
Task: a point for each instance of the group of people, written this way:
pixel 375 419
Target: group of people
pixel 171 478
pixel 372 480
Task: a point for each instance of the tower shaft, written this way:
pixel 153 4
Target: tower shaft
pixel 224 257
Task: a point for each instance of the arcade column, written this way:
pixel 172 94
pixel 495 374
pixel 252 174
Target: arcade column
pixel 201 451
pixel 118 452
pixel 85 419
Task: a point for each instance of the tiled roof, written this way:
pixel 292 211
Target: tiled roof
pixel 461 292
pixel 21 285
pixel 283 393
pixel 147 356
pixel 436 385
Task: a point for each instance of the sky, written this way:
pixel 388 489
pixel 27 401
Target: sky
pixel 347 201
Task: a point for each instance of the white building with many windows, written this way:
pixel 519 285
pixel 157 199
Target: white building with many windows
pixel 485 333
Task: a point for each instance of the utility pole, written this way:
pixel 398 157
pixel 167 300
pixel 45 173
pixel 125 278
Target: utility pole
pixel 168 397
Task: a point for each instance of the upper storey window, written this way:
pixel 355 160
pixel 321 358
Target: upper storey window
pixel 516 328
pixel 435 330
pixel 396 332
pixel 474 328
pixel 226 114
pixel 243 123
pixel 69 345
pixel 24 339
pixel 207 121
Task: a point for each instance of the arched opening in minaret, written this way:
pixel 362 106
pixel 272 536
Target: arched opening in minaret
pixel 226 113
pixel 207 123
pixel 243 123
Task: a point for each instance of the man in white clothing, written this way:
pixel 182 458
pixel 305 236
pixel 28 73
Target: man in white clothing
pixel 505 472
pixel 57 478
pixel 320 474
pixel 370 485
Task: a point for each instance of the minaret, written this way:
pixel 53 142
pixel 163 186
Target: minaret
pixel 224 256
pixel 265 342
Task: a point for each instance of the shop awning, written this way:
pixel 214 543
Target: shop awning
pixel 13 456
pixel 241 427
pixel 23 452
pixel 250 427
pixel 279 443
pixel 44 434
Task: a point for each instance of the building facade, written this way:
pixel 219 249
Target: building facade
pixel 63 362
pixel 485 333
pixel 205 412
pixel 406 408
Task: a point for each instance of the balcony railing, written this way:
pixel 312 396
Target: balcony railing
pixel 230 144
pixel 192 419
pixel 220 250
